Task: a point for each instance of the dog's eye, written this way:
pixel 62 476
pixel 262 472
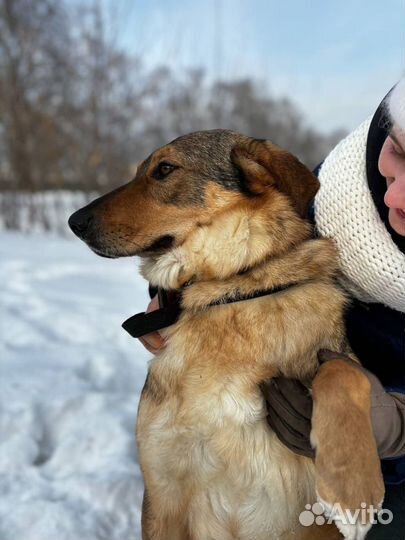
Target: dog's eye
pixel 163 170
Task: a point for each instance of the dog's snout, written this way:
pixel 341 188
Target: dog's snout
pixel 80 221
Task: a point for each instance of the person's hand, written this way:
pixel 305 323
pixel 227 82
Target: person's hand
pixel 289 412
pixel 154 342
pixel 289 406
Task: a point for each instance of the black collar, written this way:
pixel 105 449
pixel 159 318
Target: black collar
pixel 144 323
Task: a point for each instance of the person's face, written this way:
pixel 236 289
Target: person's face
pixel 392 165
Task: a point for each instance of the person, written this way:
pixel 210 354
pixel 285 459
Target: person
pixel 361 205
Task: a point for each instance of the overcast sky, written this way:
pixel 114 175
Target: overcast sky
pixel 334 59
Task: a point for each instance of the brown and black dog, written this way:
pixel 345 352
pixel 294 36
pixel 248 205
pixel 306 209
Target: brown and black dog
pixel 225 215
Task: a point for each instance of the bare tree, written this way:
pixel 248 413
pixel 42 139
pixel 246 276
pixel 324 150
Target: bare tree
pixel 77 112
pixel 32 77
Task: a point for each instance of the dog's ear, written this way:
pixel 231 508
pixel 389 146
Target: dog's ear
pixel 263 164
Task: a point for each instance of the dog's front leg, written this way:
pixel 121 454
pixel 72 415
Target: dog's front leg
pixel 151 528
pixel 348 474
pixel 158 527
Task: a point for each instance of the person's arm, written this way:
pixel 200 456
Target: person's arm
pixel 289 405
pixel 388 419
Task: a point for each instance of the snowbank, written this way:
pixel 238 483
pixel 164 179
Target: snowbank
pixel 70 379
pixel 40 211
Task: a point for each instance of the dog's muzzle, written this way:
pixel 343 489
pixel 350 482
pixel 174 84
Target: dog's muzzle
pixel 83 224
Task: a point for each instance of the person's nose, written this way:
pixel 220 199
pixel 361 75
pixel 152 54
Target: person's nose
pixel 395 194
pixel 386 162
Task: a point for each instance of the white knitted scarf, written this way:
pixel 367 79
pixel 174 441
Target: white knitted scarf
pixel 373 266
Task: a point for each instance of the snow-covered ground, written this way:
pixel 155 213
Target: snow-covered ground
pixel 70 379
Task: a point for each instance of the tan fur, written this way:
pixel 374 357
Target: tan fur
pixel 212 467
pixel 210 462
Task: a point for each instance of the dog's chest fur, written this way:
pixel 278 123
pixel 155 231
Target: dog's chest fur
pixel 205 447
pixel 211 456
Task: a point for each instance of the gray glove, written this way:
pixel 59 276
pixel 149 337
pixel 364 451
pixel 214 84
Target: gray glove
pixel 289 406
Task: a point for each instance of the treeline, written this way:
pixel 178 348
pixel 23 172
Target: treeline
pixel 77 112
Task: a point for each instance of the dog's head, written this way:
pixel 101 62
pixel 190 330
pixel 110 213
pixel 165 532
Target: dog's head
pixel 185 185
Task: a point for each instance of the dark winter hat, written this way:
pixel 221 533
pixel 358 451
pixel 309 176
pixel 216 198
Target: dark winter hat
pixel 396 105
pixel 390 112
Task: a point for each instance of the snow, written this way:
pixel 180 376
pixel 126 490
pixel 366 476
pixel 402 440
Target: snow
pixel 70 380
pixel 42 210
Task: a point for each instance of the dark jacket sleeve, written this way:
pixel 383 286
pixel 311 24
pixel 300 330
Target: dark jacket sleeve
pixel 377 336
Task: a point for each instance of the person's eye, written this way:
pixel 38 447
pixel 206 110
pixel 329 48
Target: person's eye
pixel 163 170
pixel 396 150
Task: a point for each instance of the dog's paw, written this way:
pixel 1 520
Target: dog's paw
pixel 353 525
pixel 353 532
pixel 167 271
pixel 351 489
pixel 347 467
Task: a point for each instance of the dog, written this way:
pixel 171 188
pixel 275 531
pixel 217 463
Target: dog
pixel 221 218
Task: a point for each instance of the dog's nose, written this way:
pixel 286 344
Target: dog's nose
pixel 79 221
